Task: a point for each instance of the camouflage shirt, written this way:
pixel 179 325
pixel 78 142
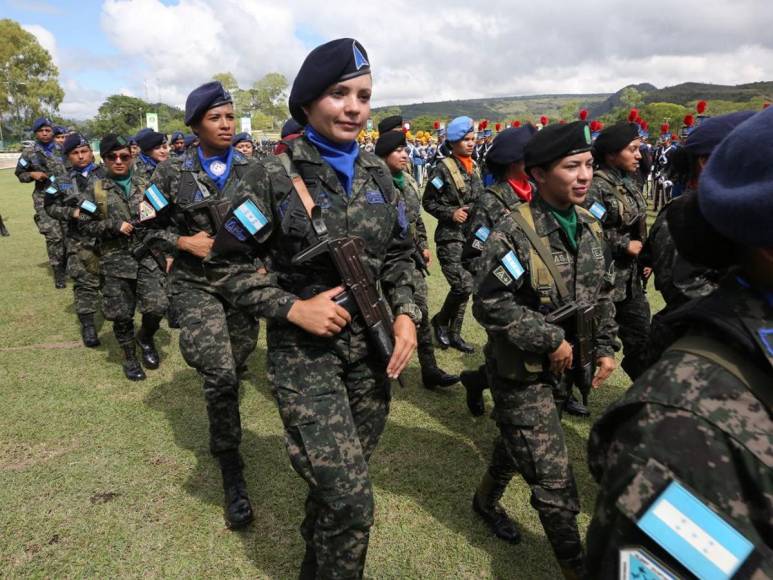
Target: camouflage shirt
pixel 624 220
pixel 410 193
pixel 71 191
pixel 105 223
pixel 691 420
pixel 510 309
pixel 36 158
pixel 442 198
pixel 496 201
pixel 374 212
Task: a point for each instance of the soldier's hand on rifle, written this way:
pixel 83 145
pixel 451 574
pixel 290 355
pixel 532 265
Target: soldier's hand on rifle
pixel 39 175
pixel 405 343
pixel 561 358
pixel 604 367
pixel 460 215
pixel 427 257
pixel 126 228
pixel 634 247
pixel 320 315
pixel 199 245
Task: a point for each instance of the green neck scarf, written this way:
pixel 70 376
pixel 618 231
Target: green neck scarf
pixel 399 179
pixel 567 220
pixel 125 183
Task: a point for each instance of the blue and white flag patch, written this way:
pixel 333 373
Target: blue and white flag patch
pixel 88 206
pixel 437 181
pixel 513 265
pixel 23 162
pixel 51 190
pixel 250 217
pixel 638 564
pixel 374 197
pixel 694 535
pixel 482 233
pixel 156 198
pixel 598 210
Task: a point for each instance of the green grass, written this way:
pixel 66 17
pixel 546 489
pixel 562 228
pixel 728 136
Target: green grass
pixel 101 477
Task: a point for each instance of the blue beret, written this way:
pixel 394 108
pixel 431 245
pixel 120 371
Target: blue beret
pixel 509 145
pixel 712 130
pixel 556 142
pixel 190 140
pixel 140 133
pixel 338 60
pixel 736 186
pixel 177 136
pixel 150 139
pixel 73 141
pixel 59 130
pixel 239 137
pixel 291 127
pixel 40 123
pixel 111 142
pixel 202 99
pixel 458 128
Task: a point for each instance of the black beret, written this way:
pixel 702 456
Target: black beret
pixel 694 237
pixel 111 142
pixel 239 137
pixel 711 131
pixel 616 137
pixel 149 140
pixel 135 138
pixel 556 142
pixel 291 127
pixel 388 142
pixel 338 60
pixel 390 123
pixel 73 141
pixel 509 145
pixel 202 99
pixel 736 186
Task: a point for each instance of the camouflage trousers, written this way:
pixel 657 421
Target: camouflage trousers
pixel 86 285
pixel 633 318
pixel 334 411
pixel 425 349
pixel 53 230
pixel 215 339
pixel 460 280
pixel 531 442
pixel 122 296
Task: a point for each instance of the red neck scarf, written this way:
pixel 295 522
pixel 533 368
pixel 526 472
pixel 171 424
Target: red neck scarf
pixel 466 163
pixel 522 188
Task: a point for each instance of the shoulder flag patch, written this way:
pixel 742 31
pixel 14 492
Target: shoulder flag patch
pixel 359 58
pixel 23 162
pixel 598 210
pixel 482 233
pixel 250 217
pixel 88 206
pixel 513 265
pixel 156 198
pixel 702 541
pixel 638 564
pixel 437 181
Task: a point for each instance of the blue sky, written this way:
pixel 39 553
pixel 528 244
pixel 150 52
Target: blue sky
pixel 420 51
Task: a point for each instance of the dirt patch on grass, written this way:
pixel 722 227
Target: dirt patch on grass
pixel 20 456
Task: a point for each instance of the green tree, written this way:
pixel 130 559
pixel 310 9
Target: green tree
pixel 29 80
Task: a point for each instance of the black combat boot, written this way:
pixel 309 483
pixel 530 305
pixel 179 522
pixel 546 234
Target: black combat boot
pixel 441 332
pixel 88 330
pixel 575 407
pixel 131 366
pixel 456 341
pixel 436 377
pixel 60 276
pixel 475 382
pixel 486 504
pixel 238 510
pixel 3 230
pixel 573 569
pixel 309 565
pixel 150 325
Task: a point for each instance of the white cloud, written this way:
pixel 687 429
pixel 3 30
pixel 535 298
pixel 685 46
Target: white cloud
pixel 45 38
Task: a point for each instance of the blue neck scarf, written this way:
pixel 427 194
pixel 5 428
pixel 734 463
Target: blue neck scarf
pixel 149 161
pixel 207 162
pixel 48 147
pixel 88 169
pixel 340 156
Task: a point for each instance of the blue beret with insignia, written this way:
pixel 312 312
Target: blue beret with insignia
pixel 735 186
pixel 203 98
pixel 177 136
pixel 338 60
pixel 59 130
pixel 73 141
pixel 458 128
pixel 712 130
pixel 190 140
pixel 41 122
pixel 239 137
pixel 509 146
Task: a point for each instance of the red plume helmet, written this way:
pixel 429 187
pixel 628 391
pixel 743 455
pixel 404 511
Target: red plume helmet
pixel 436 125
pixel 632 115
pixel 689 120
pixel 701 107
pixel 664 128
pixel 766 105
pixel 498 126
pixel 583 114
pixel 516 124
pixel 543 120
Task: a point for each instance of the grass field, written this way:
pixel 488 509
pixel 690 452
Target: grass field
pixel 100 477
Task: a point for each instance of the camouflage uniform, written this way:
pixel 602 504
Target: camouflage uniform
pixel 332 393
pixel 215 337
pixel 625 209
pixel 527 401
pixel 72 190
pixel 441 199
pixel 36 158
pixel 143 168
pixel 692 420
pixel 129 284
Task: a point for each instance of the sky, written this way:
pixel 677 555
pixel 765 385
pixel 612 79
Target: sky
pixel 419 50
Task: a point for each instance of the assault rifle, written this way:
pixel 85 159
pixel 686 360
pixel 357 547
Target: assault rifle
pixel 577 321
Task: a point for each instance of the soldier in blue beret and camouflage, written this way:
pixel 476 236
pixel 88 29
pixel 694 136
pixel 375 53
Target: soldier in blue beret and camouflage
pixel 154 149
pixel 684 461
